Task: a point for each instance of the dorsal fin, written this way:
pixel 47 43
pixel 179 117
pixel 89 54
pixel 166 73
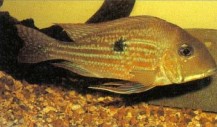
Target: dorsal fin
pixel 77 31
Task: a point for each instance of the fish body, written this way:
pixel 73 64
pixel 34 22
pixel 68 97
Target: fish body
pixel 144 50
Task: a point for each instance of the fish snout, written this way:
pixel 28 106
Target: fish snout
pixel 210 72
pixel 202 72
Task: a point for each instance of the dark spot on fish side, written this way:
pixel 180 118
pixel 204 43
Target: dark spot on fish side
pixel 119 45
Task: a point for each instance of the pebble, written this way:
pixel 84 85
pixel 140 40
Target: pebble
pixel 48 109
pixel 73 107
pixel 101 99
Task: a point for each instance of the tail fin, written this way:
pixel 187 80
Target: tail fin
pixel 36 45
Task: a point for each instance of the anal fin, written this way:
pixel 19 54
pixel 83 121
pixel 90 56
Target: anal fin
pixel 122 87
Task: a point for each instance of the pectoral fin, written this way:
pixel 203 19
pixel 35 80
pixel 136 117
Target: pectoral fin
pixel 75 68
pixel 122 87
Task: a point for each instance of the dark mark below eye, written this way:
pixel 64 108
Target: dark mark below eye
pixel 119 45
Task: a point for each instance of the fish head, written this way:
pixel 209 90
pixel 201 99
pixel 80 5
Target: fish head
pixel 187 59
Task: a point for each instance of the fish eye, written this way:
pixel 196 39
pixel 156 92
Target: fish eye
pixel 185 50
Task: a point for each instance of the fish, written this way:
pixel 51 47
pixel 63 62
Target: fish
pixel 141 52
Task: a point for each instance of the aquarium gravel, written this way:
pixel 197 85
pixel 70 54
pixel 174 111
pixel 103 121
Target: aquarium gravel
pixel 24 104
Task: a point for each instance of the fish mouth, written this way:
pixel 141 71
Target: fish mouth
pixel 200 76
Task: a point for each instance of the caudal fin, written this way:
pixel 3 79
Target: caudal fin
pixel 36 45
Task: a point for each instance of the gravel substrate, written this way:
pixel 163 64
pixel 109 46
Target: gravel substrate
pixel 23 104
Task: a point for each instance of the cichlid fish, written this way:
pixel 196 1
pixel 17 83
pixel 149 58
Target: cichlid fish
pixel 141 51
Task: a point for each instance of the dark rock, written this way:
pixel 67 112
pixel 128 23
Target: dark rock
pixel 57 33
pixel 29 23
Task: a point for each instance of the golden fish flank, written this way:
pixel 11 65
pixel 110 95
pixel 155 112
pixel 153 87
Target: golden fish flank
pixel 142 51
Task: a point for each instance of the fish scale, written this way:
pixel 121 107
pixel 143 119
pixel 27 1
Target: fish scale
pixel 104 61
pixel 101 54
pixel 81 53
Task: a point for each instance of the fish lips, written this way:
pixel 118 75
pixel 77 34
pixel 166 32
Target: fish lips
pixel 208 73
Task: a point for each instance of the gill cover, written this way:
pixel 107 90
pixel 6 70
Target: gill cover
pixel 171 67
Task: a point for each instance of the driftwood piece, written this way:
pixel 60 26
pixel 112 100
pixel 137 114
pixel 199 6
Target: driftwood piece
pixel 112 9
